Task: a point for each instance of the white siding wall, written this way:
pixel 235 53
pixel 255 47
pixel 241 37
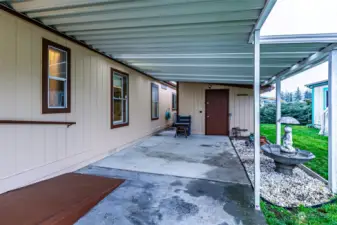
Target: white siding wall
pixel 31 152
pixel 318 104
pixel 192 100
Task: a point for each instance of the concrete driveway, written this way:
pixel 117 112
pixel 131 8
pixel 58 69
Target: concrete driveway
pixel 198 180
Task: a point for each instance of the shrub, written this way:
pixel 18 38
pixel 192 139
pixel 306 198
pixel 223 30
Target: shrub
pixel 299 110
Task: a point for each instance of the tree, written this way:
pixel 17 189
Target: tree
pixel 307 94
pixel 299 110
pixel 268 114
pixel 288 96
pixel 283 96
pixel 298 95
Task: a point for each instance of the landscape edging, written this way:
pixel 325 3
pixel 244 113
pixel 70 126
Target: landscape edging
pixel 306 170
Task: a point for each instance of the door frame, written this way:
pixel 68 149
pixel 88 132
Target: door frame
pixel 208 90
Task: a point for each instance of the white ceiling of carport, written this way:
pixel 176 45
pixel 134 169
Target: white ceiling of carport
pixel 172 40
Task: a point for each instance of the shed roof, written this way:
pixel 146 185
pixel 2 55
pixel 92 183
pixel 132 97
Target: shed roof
pixel 179 40
pixel 317 84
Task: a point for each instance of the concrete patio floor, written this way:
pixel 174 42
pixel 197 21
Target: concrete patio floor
pixel 198 156
pixel 198 181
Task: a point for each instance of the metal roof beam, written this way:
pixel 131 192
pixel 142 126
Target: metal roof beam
pixel 248 61
pixel 147 47
pixel 246 55
pixel 191 50
pixel 116 51
pixel 180 32
pixel 215 44
pixel 224 75
pixel 211 70
pixel 164 21
pixel 29 6
pixel 106 6
pixel 234 39
pixel 299 38
pixel 208 80
pixel 171 45
pixel 205 79
pixel 219 25
pixel 263 17
pixel 225 7
pixel 152 65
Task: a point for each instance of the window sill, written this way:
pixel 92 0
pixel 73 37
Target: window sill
pixel 53 111
pixel 155 118
pixel 119 125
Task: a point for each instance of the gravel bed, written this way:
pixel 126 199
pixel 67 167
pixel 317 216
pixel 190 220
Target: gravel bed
pixel 283 190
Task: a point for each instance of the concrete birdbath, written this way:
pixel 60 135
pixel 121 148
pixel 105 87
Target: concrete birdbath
pixel 285 156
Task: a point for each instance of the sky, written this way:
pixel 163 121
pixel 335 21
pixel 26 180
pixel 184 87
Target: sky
pixel 315 74
pixel 302 17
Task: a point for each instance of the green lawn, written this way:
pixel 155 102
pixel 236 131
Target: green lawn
pixel 307 139
pixel 326 215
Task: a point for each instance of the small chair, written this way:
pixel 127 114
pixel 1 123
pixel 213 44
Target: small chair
pixel 236 131
pixel 183 125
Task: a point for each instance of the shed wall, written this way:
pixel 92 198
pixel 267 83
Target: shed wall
pixel 192 102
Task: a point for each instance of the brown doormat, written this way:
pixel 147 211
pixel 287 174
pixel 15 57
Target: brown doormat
pixel 61 200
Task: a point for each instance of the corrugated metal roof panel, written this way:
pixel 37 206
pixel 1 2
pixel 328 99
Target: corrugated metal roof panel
pixel 190 40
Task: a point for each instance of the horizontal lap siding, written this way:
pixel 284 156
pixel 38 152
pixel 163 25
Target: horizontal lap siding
pixel 192 101
pixel 31 152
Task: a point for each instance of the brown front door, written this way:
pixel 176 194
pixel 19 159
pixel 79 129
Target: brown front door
pixel 217 112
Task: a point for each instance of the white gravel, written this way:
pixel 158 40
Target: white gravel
pixel 283 190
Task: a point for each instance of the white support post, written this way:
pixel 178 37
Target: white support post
pixel 257 118
pixel 333 121
pixel 278 110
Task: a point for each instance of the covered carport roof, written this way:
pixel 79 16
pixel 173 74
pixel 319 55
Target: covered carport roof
pixel 179 40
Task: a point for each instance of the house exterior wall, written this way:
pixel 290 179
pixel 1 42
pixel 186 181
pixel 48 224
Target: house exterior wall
pixel 192 101
pixel 318 105
pixel 29 153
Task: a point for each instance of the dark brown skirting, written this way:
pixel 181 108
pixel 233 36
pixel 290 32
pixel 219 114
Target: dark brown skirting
pixel 61 200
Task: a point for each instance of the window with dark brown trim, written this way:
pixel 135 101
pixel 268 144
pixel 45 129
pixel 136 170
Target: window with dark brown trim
pixel 55 78
pixel 119 99
pixel 174 101
pixel 154 101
